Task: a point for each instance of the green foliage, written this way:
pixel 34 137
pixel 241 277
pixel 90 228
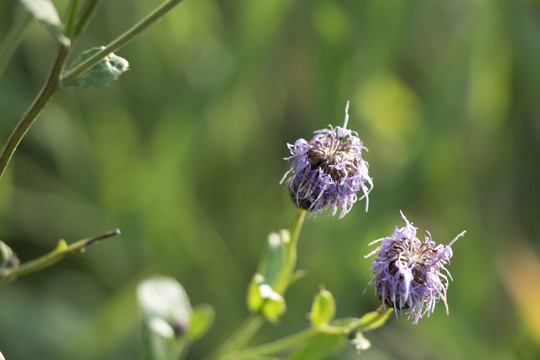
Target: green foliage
pixel 201 320
pixel 374 319
pixel 323 308
pixel 262 299
pixel 185 155
pixel 102 73
pixel 45 12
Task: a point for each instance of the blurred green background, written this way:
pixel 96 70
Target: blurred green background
pixel 185 152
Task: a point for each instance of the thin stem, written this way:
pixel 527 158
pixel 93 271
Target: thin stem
pixel 241 336
pixel 56 80
pixel 61 251
pixel 28 118
pixel 273 347
pixel 252 324
pixel 283 280
pixel 73 4
pixel 120 41
pixel 87 13
pixel 366 323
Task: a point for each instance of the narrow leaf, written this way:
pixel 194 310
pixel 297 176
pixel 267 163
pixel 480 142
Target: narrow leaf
pixel 45 12
pixel 374 319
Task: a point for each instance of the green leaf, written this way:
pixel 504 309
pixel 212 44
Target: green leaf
pixel 274 258
pixel 374 319
pixel 264 300
pixel 323 308
pixel 102 73
pixel 45 12
pixel 202 318
pixel 254 299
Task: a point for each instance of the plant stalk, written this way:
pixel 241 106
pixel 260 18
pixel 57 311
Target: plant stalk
pixel 28 118
pixel 119 41
pixel 61 251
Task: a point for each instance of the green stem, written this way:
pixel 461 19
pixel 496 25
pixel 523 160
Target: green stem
pixel 252 324
pixel 57 80
pixel 73 4
pixel 241 336
pixel 61 251
pixel 273 347
pixel 87 13
pixel 28 118
pixel 283 279
pixel 119 41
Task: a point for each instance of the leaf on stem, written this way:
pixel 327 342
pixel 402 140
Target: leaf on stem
pixel 45 12
pixel 264 300
pixel 374 319
pixel 323 308
pixel 102 73
pixel 201 320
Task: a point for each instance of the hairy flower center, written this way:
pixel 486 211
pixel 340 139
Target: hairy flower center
pixel 321 157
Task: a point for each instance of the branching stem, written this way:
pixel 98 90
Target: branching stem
pixel 61 251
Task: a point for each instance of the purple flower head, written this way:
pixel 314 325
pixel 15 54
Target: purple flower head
pixel 408 273
pixel 327 172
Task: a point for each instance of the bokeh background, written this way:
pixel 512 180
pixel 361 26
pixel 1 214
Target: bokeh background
pixel 185 152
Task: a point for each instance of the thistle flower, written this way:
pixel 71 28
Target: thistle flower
pixel 409 272
pixel 327 172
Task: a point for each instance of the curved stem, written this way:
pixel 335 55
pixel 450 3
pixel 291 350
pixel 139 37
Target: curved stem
pixel 61 251
pixel 367 322
pixel 252 324
pixel 241 336
pixel 28 118
pixel 119 41
pixel 273 347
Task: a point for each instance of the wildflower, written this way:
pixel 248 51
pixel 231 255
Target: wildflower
pixel 409 272
pixel 327 172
